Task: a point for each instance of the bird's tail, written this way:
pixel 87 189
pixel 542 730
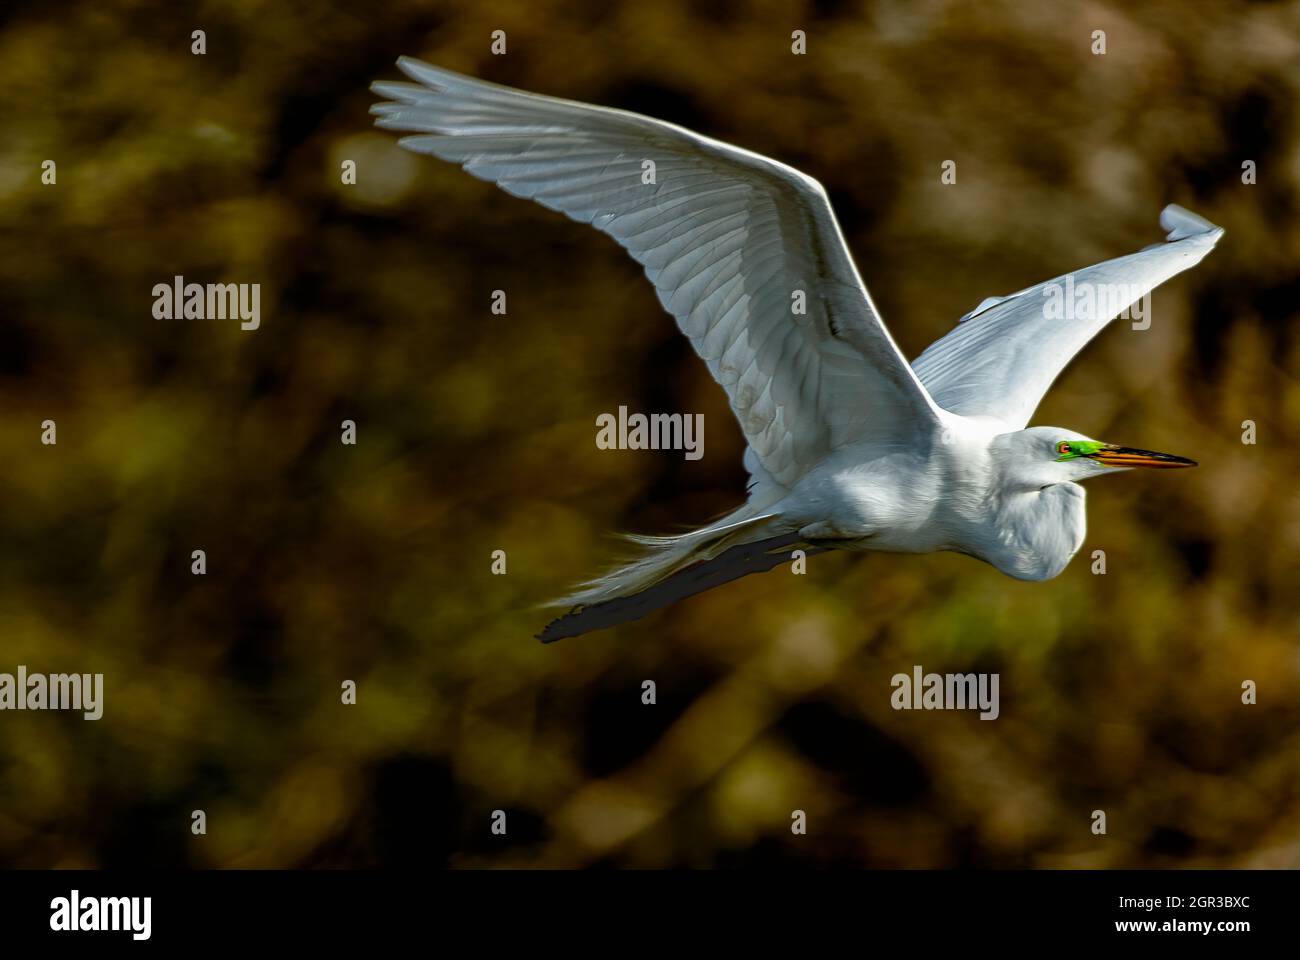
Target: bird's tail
pixel 664 556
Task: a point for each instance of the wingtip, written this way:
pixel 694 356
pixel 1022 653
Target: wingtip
pixel 408 65
pixel 424 73
pixel 1181 223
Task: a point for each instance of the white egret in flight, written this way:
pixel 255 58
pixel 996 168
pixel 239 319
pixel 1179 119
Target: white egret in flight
pixel 849 446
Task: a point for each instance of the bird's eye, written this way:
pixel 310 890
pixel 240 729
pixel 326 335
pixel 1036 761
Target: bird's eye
pixel 1062 447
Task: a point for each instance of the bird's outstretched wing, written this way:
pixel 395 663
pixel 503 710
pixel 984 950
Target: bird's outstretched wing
pixel 742 250
pixel 1003 356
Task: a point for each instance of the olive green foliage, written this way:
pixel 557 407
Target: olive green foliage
pixel 475 432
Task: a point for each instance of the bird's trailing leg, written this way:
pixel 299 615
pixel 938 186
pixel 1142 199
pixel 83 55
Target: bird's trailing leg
pixel 732 564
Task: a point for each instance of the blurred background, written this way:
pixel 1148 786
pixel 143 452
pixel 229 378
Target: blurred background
pixel 476 433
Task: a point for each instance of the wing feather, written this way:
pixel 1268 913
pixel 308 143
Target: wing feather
pixel 725 236
pixel 1005 354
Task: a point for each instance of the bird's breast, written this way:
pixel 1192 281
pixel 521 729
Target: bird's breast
pixel 1033 536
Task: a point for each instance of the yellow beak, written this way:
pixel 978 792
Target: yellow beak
pixel 1113 456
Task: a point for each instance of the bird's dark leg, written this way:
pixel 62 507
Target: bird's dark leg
pixel 732 564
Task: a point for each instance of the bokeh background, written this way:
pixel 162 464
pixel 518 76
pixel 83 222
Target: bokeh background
pixel 476 432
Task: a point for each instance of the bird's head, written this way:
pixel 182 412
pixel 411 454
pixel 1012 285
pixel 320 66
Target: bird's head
pixel 1042 456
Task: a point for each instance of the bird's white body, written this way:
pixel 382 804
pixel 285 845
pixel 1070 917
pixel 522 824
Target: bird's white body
pixel 955 494
pixel 849 445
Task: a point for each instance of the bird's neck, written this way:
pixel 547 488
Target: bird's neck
pixel 1035 533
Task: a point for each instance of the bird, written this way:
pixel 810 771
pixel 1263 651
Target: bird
pixel 848 446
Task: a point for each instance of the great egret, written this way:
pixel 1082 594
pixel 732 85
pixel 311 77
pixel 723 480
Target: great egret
pixel 849 446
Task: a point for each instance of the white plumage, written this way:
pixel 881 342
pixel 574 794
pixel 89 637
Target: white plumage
pixel 1003 356
pixel 848 444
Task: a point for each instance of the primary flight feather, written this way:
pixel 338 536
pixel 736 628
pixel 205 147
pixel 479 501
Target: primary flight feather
pixel 849 446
